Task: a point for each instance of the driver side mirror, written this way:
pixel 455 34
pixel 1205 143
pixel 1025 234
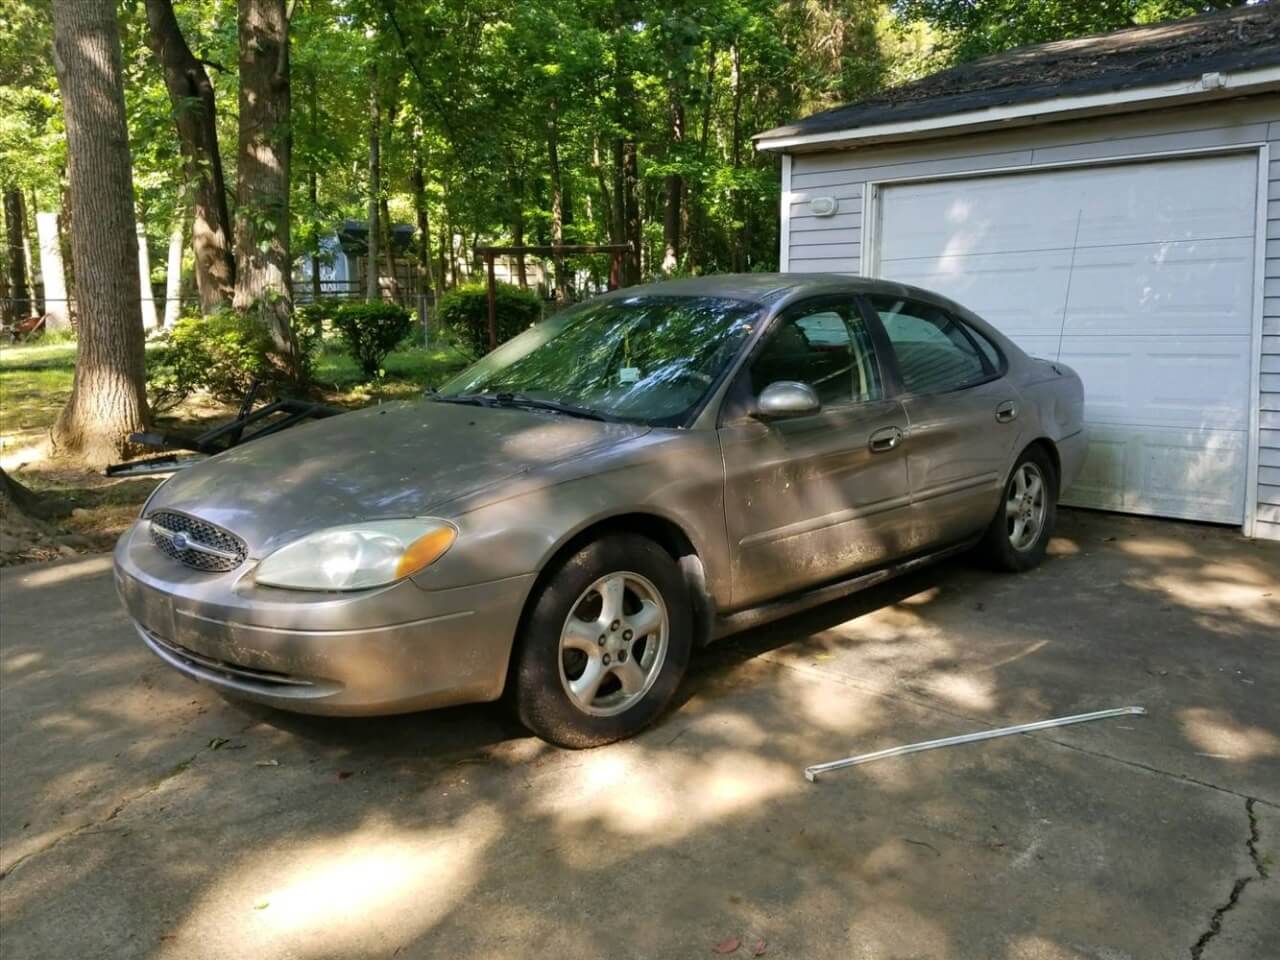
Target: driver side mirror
pixel 785 399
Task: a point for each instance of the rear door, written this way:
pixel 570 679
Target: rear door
pixel 818 497
pixel 962 417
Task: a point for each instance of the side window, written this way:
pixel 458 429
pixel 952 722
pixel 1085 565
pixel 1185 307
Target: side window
pixel 934 353
pixel 986 346
pixel 826 347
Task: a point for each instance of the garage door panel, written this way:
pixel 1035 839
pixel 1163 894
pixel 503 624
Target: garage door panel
pixel 1163 381
pixel 1157 315
pixel 1163 472
pixel 1021 293
pixel 1175 200
pixel 990 215
pixel 1184 288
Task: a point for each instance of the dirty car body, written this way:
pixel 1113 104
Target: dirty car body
pixel 834 431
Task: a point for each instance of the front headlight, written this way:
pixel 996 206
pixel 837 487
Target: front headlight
pixel 358 556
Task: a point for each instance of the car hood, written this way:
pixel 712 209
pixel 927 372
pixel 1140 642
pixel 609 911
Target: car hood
pixel 397 460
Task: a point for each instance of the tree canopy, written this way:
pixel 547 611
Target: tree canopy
pixel 530 121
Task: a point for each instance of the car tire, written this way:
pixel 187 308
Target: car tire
pixel 605 644
pixel 1020 531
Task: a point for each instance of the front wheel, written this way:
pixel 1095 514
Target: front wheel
pixel 605 645
pixel 1020 531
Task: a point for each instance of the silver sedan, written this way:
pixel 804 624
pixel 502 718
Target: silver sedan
pixel 569 518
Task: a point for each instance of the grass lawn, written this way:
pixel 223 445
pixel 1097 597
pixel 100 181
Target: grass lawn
pixel 35 381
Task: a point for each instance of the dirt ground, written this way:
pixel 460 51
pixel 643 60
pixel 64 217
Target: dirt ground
pixel 143 816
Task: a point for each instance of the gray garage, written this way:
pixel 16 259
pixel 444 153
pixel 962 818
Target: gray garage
pixel 1113 202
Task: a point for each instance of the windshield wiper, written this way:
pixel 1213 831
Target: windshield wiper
pixel 520 401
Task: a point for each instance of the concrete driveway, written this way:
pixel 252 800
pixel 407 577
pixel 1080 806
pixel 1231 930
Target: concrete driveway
pixel 143 816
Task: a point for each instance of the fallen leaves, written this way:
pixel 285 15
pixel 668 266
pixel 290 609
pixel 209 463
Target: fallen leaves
pixel 731 945
pixel 345 774
pixel 217 743
pixel 266 763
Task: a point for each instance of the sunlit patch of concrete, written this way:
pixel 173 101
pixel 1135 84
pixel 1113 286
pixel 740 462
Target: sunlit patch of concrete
pixel 839 709
pixel 1216 732
pixel 66 572
pixel 322 898
pixel 1032 947
pixel 732 727
pixel 968 692
pixel 1198 592
pixel 1245 573
pixel 620 799
pixel 1157 548
pixel 1063 547
pixel 18 662
pixel 923 597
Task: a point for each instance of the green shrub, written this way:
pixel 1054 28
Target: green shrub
pixel 221 353
pixel 465 312
pixel 314 321
pixel 371 331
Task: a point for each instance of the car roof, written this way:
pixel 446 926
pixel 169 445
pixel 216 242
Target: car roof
pixel 770 289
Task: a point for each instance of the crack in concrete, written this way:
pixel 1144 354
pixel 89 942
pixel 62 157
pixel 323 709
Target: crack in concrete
pixel 1237 888
pixel 92 826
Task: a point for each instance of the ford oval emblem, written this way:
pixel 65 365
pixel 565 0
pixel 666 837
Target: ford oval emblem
pixel 181 541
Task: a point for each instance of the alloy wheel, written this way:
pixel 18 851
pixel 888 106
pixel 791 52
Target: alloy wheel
pixel 613 644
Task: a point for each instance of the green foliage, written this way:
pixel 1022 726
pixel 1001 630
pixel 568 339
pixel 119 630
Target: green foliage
pixel 220 354
pixel 464 311
pixel 371 331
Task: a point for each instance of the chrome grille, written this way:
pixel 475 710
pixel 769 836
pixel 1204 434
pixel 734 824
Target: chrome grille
pixel 196 543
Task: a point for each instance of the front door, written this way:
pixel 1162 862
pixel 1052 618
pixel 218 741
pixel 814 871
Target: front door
pixel 822 496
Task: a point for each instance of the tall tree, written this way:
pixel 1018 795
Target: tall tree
pixel 108 400
pixel 373 286
pixel 194 113
pixel 262 174
pixel 18 301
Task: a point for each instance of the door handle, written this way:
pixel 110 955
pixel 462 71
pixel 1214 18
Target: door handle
pixel 1007 412
pixel 884 439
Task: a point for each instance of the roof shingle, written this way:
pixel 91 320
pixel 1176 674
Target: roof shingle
pixel 1237 39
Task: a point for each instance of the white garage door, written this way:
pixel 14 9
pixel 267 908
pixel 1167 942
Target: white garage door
pixel 1140 276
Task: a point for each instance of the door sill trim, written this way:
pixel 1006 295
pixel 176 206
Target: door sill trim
pixel 785 606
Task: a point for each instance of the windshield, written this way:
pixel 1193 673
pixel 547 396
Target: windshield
pixel 647 358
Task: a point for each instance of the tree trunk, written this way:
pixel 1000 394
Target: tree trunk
pixel 389 257
pixel 557 200
pixel 515 193
pixel 173 275
pixel 108 398
pixel 606 198
pixel 262 175
pixel 313 192
pixel 671 214
pixel 19 303
pixel 631 200
pixel 194 110
pixel 145 294
pixel 373 289
pixel 738 257
pixel 29 240
pixel 313 195
pixel 424 226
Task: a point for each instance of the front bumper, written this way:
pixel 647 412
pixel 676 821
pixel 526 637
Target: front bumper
pixel 393 649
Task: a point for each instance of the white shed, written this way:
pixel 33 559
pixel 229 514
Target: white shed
pixel 1112 201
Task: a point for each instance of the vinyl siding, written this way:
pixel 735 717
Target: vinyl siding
pixel 1267 521
pixel 835 243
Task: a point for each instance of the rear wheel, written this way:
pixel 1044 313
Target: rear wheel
pixel 605 645
pixel 1020 531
